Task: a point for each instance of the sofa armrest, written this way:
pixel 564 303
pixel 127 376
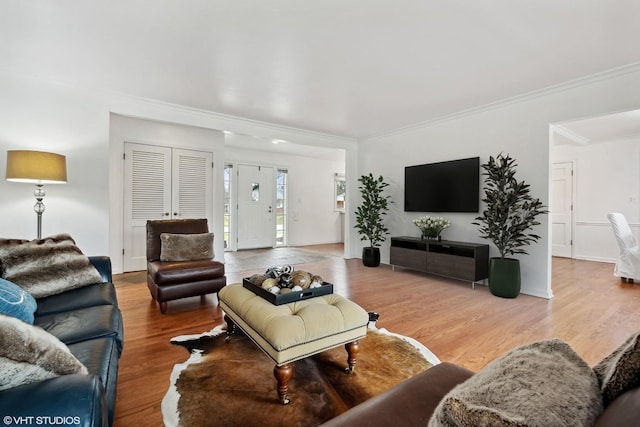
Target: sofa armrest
pixel 103 265
pixel 409 403
pixel 622 412
pixel 77 400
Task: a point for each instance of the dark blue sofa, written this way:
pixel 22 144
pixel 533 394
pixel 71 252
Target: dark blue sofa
pixel 89 322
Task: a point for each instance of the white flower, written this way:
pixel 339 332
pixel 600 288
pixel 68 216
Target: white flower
pixel 431 225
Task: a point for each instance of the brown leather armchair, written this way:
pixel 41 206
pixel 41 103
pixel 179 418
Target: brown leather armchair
pixel 171 280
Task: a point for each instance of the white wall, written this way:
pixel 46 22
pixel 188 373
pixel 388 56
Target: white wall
pixel 607 179
pixel 312 218
pixel 519 127
pixel 37 114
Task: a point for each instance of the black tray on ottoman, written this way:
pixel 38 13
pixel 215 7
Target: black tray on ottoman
pixel 326 288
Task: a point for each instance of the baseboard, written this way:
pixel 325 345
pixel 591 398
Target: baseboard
pixel 595 259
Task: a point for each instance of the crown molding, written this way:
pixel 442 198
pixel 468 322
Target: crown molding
pixel 235 123
pixel 131 105
pixel 562 87
pixel 570 135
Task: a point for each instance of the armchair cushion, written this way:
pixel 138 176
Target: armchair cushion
pixel 48 266
pixel 186 247
pixel 29 354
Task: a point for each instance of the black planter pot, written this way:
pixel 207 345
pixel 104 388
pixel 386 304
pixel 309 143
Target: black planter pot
pixel 504 277
pixel 371 256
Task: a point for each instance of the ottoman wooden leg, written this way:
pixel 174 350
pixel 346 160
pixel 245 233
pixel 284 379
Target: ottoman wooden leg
pixel 283 374
pixel 352 350
pixel 231 327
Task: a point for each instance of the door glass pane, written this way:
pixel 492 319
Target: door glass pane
pixel 281 207
pixel 255 191
pixel 340 188
pixel 228 174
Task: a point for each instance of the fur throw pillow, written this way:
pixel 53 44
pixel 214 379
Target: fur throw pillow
pixel 186 247
pixel 48 266
pixel 29 354
pixel 540 384
pixel 620 371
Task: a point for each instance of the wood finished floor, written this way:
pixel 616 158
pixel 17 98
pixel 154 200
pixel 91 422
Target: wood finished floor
pixel 592 310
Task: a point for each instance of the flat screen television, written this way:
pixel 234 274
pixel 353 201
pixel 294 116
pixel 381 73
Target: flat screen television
pixel 451 186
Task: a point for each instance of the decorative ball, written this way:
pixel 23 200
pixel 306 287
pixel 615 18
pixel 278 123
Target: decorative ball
pixel 273 272
pixel 296 288
pixel 316 280
pixel 301 278
pixel 275 290
pixel 257 279
pixel 285 280
pixel 285 290
pixel 269 283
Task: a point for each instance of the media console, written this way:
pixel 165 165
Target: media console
pixel 458 260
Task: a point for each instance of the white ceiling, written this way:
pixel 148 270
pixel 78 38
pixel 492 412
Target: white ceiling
pixel 353 68
pixel 611 127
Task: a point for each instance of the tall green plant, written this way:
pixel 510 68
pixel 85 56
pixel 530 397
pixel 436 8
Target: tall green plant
pixel 510 211
pixel 369 215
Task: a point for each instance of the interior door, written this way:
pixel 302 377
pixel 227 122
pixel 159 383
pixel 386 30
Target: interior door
pixel 256 215
pixel 191 184
pixel 147 195
pixel 162 183
pixel 562 209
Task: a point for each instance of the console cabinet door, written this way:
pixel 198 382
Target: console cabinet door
pixel 458 267
pixel 409 258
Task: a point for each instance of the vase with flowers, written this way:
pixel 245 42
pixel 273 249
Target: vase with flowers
pixel 431 226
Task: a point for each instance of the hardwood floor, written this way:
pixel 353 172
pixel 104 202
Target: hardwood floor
pixel 592 310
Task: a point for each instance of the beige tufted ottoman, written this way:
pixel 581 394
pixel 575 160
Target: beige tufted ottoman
pixel 293 331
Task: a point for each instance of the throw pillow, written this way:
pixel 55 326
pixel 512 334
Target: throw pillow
pixel 620 371
pixel 30 354
pixel 540 384
pixel 16 302
pixel 186 247
pixel 48 266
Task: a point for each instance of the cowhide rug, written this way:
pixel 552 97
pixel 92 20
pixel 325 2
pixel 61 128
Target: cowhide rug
pixel 232 383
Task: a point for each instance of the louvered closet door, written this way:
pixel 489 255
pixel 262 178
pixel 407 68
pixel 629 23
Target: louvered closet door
pixel 162 183
pixel 192 176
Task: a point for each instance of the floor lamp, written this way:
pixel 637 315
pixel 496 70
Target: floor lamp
pixel 38 168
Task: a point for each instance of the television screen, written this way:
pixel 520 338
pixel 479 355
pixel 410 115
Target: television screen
pixel 452 186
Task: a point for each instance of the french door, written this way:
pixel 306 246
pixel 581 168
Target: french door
pixel 162 183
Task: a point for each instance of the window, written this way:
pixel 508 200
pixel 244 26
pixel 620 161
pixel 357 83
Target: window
pixel 339 192
pixel 281 207
pixel 228 174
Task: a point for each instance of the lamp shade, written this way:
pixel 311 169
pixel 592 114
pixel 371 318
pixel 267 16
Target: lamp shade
pixel 36 167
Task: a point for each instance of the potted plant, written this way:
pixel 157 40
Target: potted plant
pixel 369 217
pixel 508 220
